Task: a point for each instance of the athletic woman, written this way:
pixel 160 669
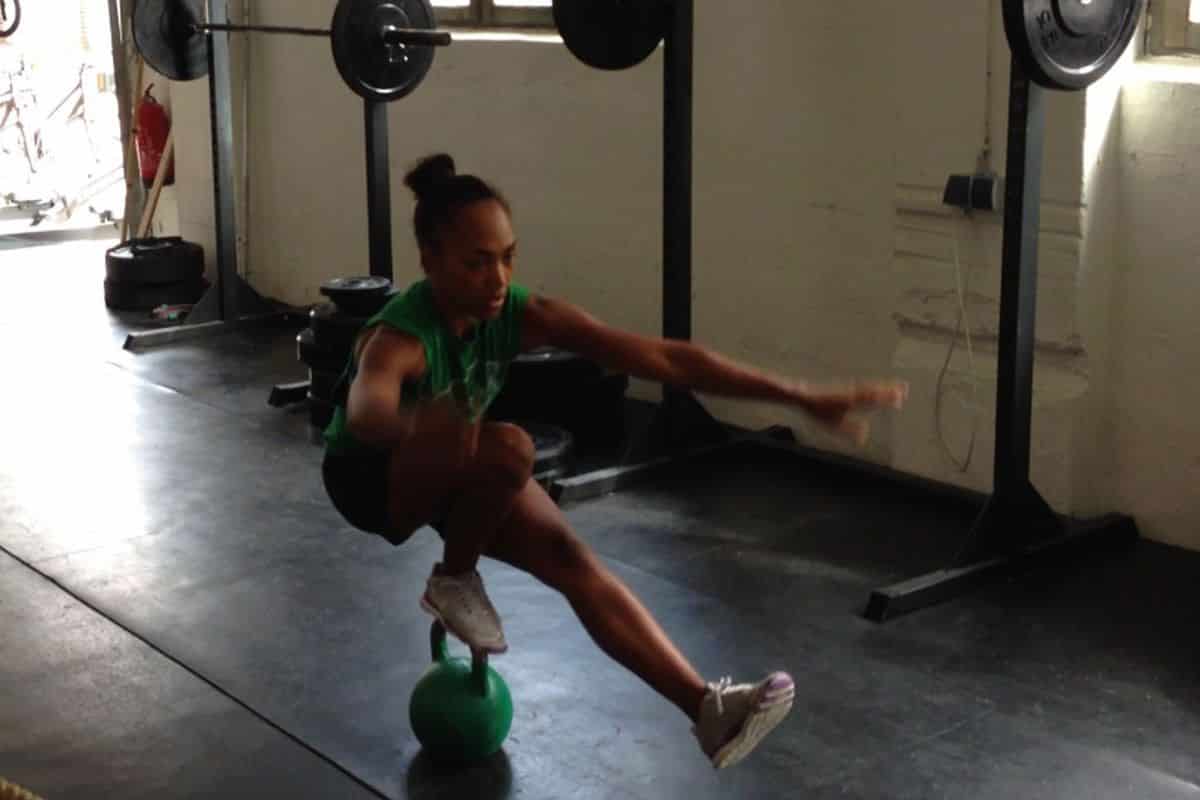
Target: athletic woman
pixel 409 446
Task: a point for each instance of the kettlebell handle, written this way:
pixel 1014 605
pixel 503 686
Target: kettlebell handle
pixel 441 654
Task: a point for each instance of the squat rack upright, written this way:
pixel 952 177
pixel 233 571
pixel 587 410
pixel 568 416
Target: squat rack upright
pixel 1016 527
pixel 383 49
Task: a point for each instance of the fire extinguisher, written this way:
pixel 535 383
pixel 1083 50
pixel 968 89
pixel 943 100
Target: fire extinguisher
pixel 152 129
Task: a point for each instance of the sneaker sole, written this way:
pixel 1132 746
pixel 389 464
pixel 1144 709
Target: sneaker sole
pixel 771 708
pixel 490 650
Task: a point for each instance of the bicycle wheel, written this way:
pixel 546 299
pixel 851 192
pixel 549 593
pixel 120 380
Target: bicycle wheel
pixel 10 17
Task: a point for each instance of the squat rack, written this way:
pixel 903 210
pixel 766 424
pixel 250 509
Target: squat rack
pixel 383 50
pixel 1016 526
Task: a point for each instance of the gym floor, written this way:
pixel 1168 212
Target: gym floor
pixel 184 615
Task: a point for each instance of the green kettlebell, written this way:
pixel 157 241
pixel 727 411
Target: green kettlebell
pixel 460 710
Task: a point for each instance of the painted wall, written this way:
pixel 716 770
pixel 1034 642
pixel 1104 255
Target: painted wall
pixel 824 135
pixel 1156 390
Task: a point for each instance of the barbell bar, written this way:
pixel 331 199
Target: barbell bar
pixel 382 48
pixel 390 33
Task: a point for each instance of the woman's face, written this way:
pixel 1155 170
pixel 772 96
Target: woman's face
pixel 473 263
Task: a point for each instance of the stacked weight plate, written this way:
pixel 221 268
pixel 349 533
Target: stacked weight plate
pixel 555 396
pixel 142 274
pixel 325 345
pixel 553 447
pixel 556 387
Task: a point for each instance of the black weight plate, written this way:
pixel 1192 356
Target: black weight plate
pixel 322 383
pixel 611 34
pixel 591 410
pixel 332 329
pixel 319 358
pixel 545 355
pixel 547 365
pixel 552 445
pixel 596 416
pixel 164 33
pixel 320 412
pixel 148 248
pixel 360 296
pixel 550 476
pixel 154 261
pixel 1070 44
pixel 121 296
pixel 371 68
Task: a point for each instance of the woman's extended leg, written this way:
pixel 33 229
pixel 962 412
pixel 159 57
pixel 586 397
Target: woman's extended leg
pixel 537 539
pixel 729 719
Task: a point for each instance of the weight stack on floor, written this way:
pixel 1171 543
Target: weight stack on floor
pixel 325 346
pixel 553 447
pixel 142 274
pixel 557 387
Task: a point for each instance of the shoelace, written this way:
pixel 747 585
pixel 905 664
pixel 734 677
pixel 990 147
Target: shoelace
pixel 718 689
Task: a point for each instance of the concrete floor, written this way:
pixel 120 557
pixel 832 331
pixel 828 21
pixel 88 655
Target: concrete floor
pixel 184 615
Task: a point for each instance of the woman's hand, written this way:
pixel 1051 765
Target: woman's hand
pixel 833 406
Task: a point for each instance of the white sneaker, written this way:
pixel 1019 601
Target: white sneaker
pixel 462 605
pixel 734 719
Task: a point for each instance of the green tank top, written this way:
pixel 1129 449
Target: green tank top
pixel 472 368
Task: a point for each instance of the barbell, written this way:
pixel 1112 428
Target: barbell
pixel 1061 44
pixel 383 49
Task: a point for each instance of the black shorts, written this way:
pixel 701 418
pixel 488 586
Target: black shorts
pixel 357 484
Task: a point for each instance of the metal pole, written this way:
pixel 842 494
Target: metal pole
pixel 294 31
pixel 1018 284
pixel 391 34
pixel 379 193
pixel 221 116
pixel 677 183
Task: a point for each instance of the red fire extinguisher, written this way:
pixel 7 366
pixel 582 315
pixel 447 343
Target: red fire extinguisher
pixel 152 129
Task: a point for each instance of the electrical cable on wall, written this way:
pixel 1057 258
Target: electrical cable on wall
pixel 963 324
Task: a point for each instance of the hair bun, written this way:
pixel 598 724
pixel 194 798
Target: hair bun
pixel 429 172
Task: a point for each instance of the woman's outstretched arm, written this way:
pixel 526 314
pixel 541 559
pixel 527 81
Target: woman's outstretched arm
pixel 551 322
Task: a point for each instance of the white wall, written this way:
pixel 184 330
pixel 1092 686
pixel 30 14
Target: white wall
pixel 1156 389
pixel 824 135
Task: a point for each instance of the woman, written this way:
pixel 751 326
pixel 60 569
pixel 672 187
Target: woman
pixel 408 447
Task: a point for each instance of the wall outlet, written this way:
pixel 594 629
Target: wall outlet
pixel 982 192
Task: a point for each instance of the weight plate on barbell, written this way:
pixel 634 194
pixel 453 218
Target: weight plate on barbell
pixel 372 68
pixel 611 34
pixel 165 34
pixel 1070 44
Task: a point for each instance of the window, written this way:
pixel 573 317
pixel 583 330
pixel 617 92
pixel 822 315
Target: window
pixel 495 13
pixel 1174 27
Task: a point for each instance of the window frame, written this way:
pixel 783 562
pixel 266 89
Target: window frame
pixel 1169 31
pixel 486 14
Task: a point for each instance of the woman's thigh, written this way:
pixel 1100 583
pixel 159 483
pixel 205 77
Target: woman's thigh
pixel 424 482
pixel 537 538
